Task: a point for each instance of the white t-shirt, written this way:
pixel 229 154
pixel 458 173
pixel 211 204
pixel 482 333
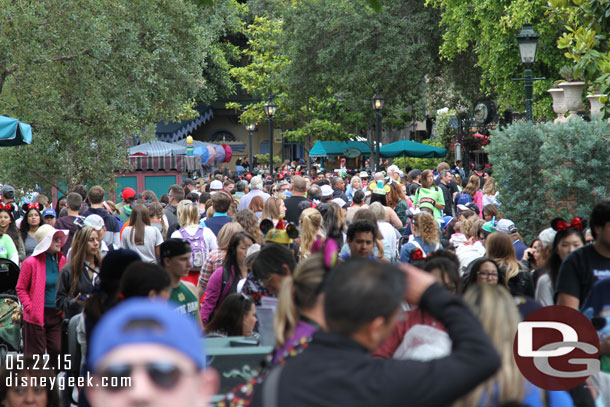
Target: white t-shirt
pixel 152 239
pixel 209 238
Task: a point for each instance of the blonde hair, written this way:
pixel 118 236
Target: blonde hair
pixel 490 187
pixel 180 207
pixel 189 215
pixel 248 220
pixel 271 210
pixel 226 233
pixel 297 292
pixel 311 225
pixel 474 183
pixel 496 310
pixel 426 227
pixel 500 248
pixel 471 226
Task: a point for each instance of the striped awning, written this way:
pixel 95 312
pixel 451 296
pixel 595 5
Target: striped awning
pixel 157 149
pixel 171 132
pixel 179 163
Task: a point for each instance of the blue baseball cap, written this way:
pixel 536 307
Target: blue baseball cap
pixel 49 212
pixel 167 327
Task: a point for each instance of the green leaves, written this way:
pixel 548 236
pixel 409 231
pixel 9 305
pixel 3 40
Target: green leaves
pixel 91 76
pixel 550 170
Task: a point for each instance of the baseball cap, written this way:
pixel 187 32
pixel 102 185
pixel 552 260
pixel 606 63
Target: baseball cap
pixel 340 202
pixel 188 181
pixel 159 324
pixel 128 193
pixel 49 212
pixel 8 191
pixel 95 221
pixel 364 174
pixel 506 226
pixel 326 190
pixel 216 185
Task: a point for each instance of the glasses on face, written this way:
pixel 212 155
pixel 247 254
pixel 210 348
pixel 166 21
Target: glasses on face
pixel 589 241
pixel 57 239
pixel 165 375
pixel 23 390
pixel 487 275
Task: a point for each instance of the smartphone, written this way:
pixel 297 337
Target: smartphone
pixel 83 297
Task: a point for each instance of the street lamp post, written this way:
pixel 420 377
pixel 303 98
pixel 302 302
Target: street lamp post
pixel 528 43
pixel 270 109
pixel 250 128
pixel 377 102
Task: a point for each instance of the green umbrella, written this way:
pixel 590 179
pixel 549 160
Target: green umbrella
pixel 13 133
pixel 408 148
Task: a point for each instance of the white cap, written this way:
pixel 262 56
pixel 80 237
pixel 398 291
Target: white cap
pixel 506 226
pixel 215 185
pixel 95 221
pixel 339 202
pixel 326 190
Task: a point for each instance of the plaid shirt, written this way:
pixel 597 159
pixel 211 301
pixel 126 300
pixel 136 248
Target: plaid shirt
pixel 213 260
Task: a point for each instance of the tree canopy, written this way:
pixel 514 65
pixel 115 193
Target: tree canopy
pixel 487 28
pixel 90 76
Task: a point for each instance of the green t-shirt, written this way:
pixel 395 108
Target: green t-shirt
pixel 185 299
pixel 7 247
pixel 425 198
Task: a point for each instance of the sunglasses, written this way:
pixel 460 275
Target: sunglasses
pixel 165 375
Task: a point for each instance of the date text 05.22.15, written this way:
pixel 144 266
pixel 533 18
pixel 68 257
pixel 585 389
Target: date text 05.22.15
pixel 38 362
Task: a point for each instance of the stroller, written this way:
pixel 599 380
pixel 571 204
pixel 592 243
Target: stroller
pixel 10 309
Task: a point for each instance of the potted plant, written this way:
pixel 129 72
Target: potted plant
pixel 572 89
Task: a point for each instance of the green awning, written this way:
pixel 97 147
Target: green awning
pixel 334 148
pixel 408 148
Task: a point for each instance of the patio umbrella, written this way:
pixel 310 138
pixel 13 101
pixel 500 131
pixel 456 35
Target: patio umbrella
pixel 212 158
pixel 220 153
pixel 408 148
pixel 13 133
pixel 203 152
pixel 228 152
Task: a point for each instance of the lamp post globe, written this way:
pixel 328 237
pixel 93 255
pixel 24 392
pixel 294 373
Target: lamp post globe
pixel 270 109
pixel 377 101
pixel 528 44
pixel 250 128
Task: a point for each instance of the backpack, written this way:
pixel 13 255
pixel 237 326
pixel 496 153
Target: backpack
pixel 463 199
pixel 198 247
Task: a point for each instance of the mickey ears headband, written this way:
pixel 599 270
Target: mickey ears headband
pixel 559 225
pixel 291 230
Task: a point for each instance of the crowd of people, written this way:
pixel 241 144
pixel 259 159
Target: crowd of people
pixel 391 288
